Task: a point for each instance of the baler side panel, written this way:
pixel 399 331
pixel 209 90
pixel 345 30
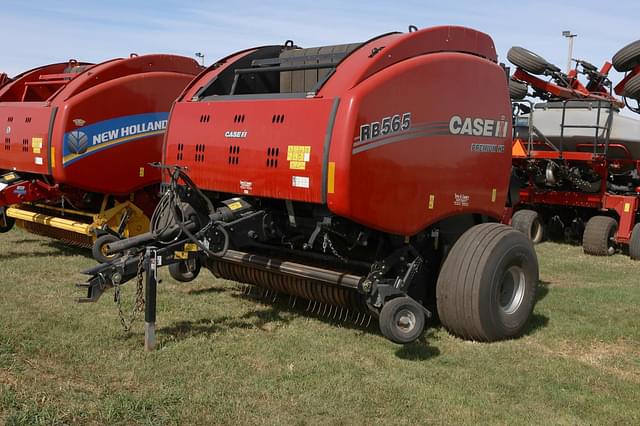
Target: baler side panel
pixel 265 148
pixel 23 146
pixel 407 180
pixel 120 138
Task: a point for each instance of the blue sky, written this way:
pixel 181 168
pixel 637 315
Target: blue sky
pixel 37 32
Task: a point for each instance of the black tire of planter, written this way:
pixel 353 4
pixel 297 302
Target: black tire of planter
pixel 487 285
pixel 634 244
pixel 527 60
pixel 401 320
pixel 632 88
pixel 530 224
pixel 627 58
pixel 99 248
pixel 599 232
pixel 517 89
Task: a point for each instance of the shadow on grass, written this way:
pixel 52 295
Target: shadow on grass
pixel 535 323
pixel 69 250
pixel 207 290
pixel 420 350
pixel 26 241
pixel 60 250
pixel 208 326
pixel 543 290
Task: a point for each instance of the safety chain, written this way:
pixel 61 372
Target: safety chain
pixel 326 242
pixel 138 305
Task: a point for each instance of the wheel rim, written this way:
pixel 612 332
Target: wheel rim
pixel 190 265
pixel 405 321
pixel 511 291
pixel 536 231
pixel 103 250
pixel 611 242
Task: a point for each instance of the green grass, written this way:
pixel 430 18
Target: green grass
pixel 227 359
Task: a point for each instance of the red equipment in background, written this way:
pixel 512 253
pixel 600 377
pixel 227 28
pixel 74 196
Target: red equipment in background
pixel 355 177
pixel 77 142
pixel 579 157
pixel 4 79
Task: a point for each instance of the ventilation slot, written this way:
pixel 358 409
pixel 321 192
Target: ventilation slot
pixel 25 145
pixel 7 144
pixel 199 153
pixel 234 155
pixel 205 118
pixel 238 118
pixel 272 157
pixel 10 119
pixel 27 120
pixel 180 154
pixel 277 119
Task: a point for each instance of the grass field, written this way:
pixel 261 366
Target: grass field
pixel 224 358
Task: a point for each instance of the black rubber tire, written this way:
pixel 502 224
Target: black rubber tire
pixel 517 89
pixel 182 273
pixel 627 58
pixel 527 60
pixel 632 88
pixel 530 224
pixel 390 315
pixel 6 226
pixel 475 278
pixel 599 232
pixel 634 244
pixel 98 248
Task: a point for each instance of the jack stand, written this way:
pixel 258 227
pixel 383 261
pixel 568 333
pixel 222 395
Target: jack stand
pixel 151 284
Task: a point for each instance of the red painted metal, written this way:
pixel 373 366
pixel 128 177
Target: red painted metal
pixel 399 184
pixel 619 89
pixel 577 91
pixel 59 122
pixel 28 191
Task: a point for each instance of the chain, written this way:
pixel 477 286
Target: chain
pixel 326 242
pixel 138 305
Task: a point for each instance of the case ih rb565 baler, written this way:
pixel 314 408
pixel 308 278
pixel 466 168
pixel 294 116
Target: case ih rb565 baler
pixel 364 178
pixel 76 142
pixel 578 157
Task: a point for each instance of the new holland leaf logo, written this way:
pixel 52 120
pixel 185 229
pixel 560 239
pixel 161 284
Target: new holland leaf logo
pixel 77 142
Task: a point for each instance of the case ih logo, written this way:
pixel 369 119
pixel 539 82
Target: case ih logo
pixel 235 134
pixel 478 127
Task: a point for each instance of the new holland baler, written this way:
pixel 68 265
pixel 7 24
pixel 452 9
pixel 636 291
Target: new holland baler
pixel 367 178
pixel 77 140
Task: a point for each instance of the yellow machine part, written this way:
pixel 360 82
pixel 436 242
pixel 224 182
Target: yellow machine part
pixel 51 221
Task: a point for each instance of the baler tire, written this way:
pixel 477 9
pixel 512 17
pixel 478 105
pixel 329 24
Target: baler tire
pixel 530 224
pixel 598 237
pixel 527 60
pixel 487 286
pixel 181 272
pixel 98 249
pixel 634 243
pixel 6 225
pixel 632 88
pixel 517 90
pixel 627 58
pixel 391 314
